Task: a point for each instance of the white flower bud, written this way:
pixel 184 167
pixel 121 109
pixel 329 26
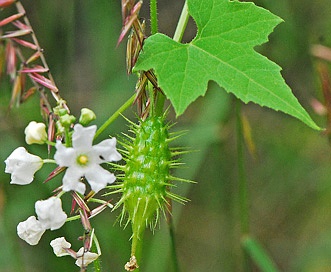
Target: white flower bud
pixel 50 213
pixel 35 133
pixel 30 230
pixel 59 246
pixel 22 166
pixel 85 258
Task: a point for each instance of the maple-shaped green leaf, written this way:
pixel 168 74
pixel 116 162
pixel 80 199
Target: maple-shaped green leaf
pixel 222 51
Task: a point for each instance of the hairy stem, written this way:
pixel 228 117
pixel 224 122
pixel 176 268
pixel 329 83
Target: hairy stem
pixel 243 190
pixel 153 14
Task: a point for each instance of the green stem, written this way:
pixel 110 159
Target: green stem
pixel 112 118
pixel 159 104
pixel 136 248
pixel 50 143
pixel 49 161
pixel 243 193
pixel 173 244
pixel 67 137
pixel 100 201
pixel 182 23
pixel 73 218
pixel 243 190
pixel 258 254
pixel 153 14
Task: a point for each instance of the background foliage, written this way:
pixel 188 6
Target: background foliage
pixel 289 178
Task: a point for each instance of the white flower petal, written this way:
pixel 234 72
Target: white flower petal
pixel 64 156
pixel 83 159
pixel 71 180
pixel 59 245
pixel 82 137
pixel 98 178
pixel 106 151
pixel 16 179
pixel 85 258
pixel 30 230
pixel 22 165
pixel 50 213
pixel 35 133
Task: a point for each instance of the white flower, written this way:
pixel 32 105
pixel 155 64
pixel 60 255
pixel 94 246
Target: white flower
pixel 50 213
pixel 83 160
pixel 30 230
pixel 59 246
pixel 85 258
pixel 35 133
pixel 22 165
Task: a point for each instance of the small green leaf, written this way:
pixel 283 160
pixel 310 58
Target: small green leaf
pixel 223 52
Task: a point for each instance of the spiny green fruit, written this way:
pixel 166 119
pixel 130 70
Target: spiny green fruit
pixel 146 178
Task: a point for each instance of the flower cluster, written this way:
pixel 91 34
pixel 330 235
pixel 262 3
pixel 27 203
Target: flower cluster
pixel 81 160
pixel 50 216
pixel 63 248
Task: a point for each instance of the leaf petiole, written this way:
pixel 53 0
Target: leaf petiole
pixel 182 23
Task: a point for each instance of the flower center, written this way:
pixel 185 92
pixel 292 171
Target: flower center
pixel 82 160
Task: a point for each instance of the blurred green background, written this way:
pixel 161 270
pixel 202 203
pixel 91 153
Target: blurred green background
pixel 289 177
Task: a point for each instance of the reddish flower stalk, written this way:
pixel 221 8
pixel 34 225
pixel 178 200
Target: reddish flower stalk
pixel 131 21
pixel 44 81
pixel 11 19
pixel 13 52
pixel 17 33
pixel 35 69
pixel 31 91
pixel 11 60
pixel 25 43
pixel 58 170
pixel 34 57
pixel 57 97
pixel 80 202
pixel 6 3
